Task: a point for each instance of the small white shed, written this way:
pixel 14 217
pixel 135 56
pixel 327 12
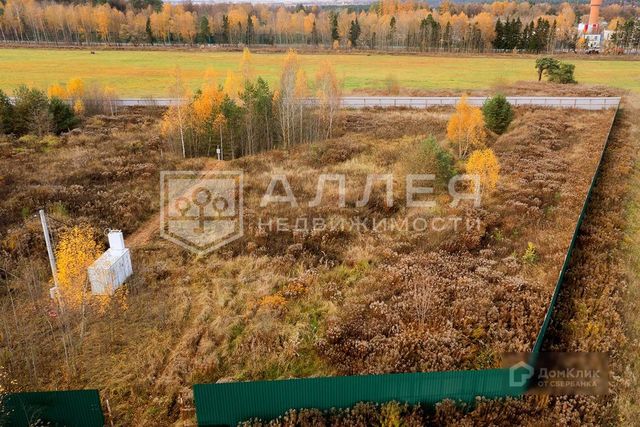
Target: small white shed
pixel 113 267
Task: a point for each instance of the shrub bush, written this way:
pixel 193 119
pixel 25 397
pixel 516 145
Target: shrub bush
pixel 34 113
pixel 497 113
pixel 31 112
pixel 6 114
pixel 440 159
pixel 430 157
pixel 392 85
pixel 544 65
pixel 28 140
pixel 530 255
pixel 62 116
pixel 562 74
pixel 49 141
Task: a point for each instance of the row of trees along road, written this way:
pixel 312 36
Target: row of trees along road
pixel 245 116
pixel 389 24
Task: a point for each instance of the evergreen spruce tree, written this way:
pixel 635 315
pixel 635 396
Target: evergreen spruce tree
pixel 498 42
pixel 150 38
pixel 354 33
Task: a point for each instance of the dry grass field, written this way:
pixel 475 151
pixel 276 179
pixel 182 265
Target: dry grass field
pixel 149 73
pixel 281 304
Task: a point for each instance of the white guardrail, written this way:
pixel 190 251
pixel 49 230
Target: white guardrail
pixel 581 103
pixel 586 103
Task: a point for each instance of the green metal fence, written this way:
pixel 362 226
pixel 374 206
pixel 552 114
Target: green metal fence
pixel 76 408
pixel 567 258
pixel 230 403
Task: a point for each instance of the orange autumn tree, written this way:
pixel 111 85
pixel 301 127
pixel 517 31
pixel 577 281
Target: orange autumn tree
pixel 465 130
pixel 484 163
pixel 75 88
pixel 232 86
pixel 57 91
pixel 75 91
pixel 206 113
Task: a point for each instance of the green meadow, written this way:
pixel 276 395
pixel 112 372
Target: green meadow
pixel 150 73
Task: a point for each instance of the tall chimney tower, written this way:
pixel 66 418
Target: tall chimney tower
pixel 594 16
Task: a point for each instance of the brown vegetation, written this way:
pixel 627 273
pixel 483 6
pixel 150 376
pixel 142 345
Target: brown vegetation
pixel 596 311
pixel 290 304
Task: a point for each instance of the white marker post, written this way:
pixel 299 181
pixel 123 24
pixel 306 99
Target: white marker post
pixel 52 260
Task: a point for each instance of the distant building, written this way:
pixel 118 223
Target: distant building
pixel 592 32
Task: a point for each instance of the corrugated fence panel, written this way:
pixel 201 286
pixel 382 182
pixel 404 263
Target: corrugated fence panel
pixel 230 403
pixel 75 408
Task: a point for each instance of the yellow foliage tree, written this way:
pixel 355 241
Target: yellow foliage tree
pixel 246 65
pixel 290 86
pixel 78 107
pixel 210 75
pixel 232 86
pixel 207 104
pixel 57 91
pixel 75 88
pixel 301 88
pixel 174 119
pixel 616 23
pixel 75 252
pixel 329 92
pixel 465 129
pixel 484 163
pixel 207 114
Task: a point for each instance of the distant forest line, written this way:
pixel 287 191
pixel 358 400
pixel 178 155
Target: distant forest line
pixel 386 25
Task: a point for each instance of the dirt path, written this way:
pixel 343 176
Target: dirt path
pixel 144 234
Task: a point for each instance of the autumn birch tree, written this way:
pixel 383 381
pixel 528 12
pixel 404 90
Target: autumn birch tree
pixel 465 129
pixel 175 116
pixel 301 93
pixel 328 93
pixel 287 97
pixel 484 163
